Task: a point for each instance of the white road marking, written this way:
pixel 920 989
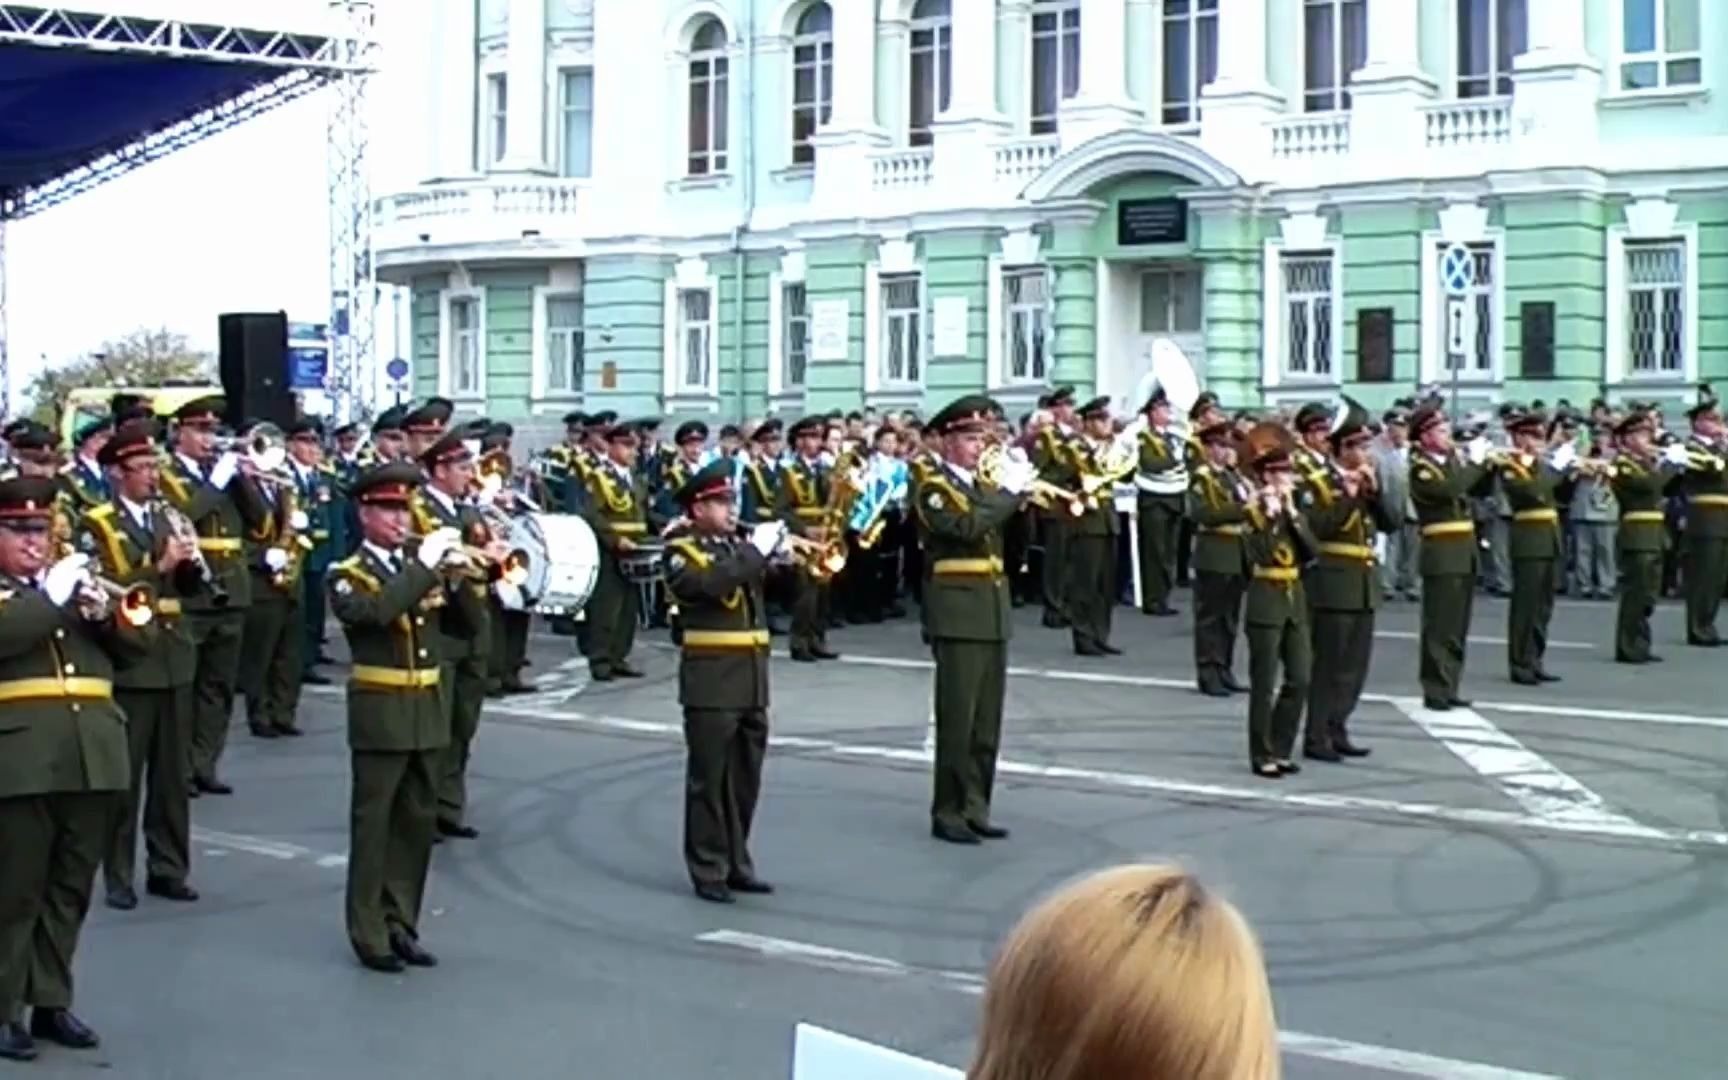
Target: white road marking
pixel 1367 1055
pixel 1486 639
pixel 280 850
pixel 1530 779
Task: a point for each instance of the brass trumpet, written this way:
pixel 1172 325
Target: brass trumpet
pixel 472 561
pixel 821 559
pixel 134 603
pixel 1043 492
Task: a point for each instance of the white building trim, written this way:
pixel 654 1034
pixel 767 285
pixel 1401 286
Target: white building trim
pixel 791 272
pixel 1648 219
pixel 690 275
pixel 681 27
pixel 1119 153
pixel 446 343
pixel 1431 322
pixel 877 391
pixel 1300 238
pixel 1020 250
pixel 564 280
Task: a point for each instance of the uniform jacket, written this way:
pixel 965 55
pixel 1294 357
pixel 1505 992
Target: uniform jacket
pixel 1641 491
pixel 759 496
pixel 1530 485
pixel 1706 488
pixel 222 518
pixel 673 471
pixel 277 532
pixel 717 581
pixel 395 700
pixel 1056 456
pixel 1163 465
pixel 1218 506
pixel 617 509
pixel 803 494
pixel 1100 516
pixel 1441 492
pixel 1343 526
pixel 1277 549
pixel 87 489
pixel 966 588
pixel 59 727
pixel 465 632
pixel 127 554
pixel 326 524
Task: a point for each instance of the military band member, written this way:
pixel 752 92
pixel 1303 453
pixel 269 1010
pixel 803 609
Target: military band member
pixel 517 492
pixel 1704 544
pixel 34 451
pixel 1530 483
pixel 387 596
pixel 319 496
pixel 686 461
pixel 1344 512
pixel 1091 547
pixel 1162 480
pixel 1641 478
pixel 389 441
pixel 759 499
pixel 617 510
pixel 63 766
pixel 425 425
pixel 216 493
pixel 272 638
pixel 1218 499
pixel 1053 455
pixel 1278 544
pixel 804 495
pixel 132 539
pixel 1442 483
pixel 82 477
pixel 558 465
pixel 717 580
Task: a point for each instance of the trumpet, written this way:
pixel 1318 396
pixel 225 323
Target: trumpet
pixel 473 561
pixel 264 447
pixel 1043 492
pixel 101 597
pixel 821 559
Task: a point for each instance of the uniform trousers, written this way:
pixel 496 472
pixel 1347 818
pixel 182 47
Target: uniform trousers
pixel 313 604
pixel 1703 579
pixel 507 645
pixel 158 728
pixel 1343 649
pixel 49 848
pixel 1160 524
pixel 1446 603
pixel 722 780
pixel 270 664
pixel 1091 593
pixel 971 685
pixel 391 818
pixel 1053 530
pixel 1533 584
pixel 1217 613
pixel 1274 708
pixel 811 613
pixel 218 635
pixel 613 613
pixel 463 683
pixel 1640 582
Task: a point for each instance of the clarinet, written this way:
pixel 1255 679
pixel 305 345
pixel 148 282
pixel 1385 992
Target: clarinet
pixel 180 527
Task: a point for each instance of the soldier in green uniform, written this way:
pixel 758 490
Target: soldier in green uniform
pixel 1053 455
pixel 1344 511
pixel 217 494
pixel 388 596
pixel 966 614
pixel 134 544
pixel 1218 507
pixel 63 765
pixel 424 425
pixel 1162 479
pixel 82 478
pixel 1641 477
pixel 1442 483
pixel 617 510
pixel 316 493
pixel 272 639
pixel 803 494
pixel 1530 482
pixel 1704 543
pixel 716 578
pixel 1091 547
pixel 1277 543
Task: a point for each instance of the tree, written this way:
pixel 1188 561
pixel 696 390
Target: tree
pixel 144 357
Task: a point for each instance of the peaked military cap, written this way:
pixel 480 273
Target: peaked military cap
pixel 346 430
pixel 767 429
pixel 389 420
pixel 126 406
pixel 1707 404
pixel 1525 419
pixel 576 419
pixel 605 418
pixel 1635 420
pixel 1207 400
pixel 450 447
pixel 1062 395
pixel 1268 445
pixel 307 427
pixel 1313 414
pixel 711 481
pixel 973 412
pixel 689 430
pixel 1427 415
pixel 388 484
pixel 1156 398
pixel 1349 421
pixel 27 498
pixel 91 428
pixel 429 417
pixel 730 431
pixel 1098 406
pixel 33 436
pixel 808 425
pixel 1216 432
pixel 622 431
pixel 133 439
pixel 204 410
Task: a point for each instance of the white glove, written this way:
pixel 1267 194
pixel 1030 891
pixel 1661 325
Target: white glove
pixel 1477 450
pixel 223 471
pixel 298 521
pixel 768 536
pixel 509 595
pixel 437 544
pixel 1675 454
pixel 275 559
pixel 1017 476
pixel 64 577
pixel 1564 457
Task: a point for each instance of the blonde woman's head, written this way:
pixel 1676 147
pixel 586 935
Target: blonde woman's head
pixel 1133 973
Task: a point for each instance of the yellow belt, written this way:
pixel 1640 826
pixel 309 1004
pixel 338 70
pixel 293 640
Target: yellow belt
pixel 628 528
pixel 220 544
pixel 1547 515
pixel 49 686
pixel 810 511
pixel 1223 530
pixel 320 534
pixel 389 678
pixel 725 639
pixel 1708 500
pixel 1277 573
pixel 168 606
pixel 1450 528
pixel 957 567
pixel 1643 517
pixel 1347 551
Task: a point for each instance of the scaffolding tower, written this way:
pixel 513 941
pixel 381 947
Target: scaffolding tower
pixel 353 284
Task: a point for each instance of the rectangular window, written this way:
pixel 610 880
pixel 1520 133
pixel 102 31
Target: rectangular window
pixel 1334 46
pixel 1656 307
pixel 812 92
pixel 1170 300
pixel 1308 306
pixel 465 347
pixel 1659 44
pixel 1190 56
pixel 497 109
pixel 564 356
pixel 1026 327
pixel 932 76
pixel 1055 59
pixel 902 329
pixel 708 77
pixel 1490 34
pixel 695 337
pixel 795 335
pixel 576 104
pixel 1480 333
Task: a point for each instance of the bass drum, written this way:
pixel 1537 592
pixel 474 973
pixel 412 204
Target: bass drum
pixel 560 582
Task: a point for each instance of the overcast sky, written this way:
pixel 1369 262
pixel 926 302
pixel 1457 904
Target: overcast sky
pixel 237 222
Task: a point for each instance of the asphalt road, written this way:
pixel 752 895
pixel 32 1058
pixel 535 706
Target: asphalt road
pixel 1531 888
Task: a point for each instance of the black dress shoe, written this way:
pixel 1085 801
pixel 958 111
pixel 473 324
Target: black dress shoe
pixel 169 889
pixel 1434 704
pixel 1526 680
pixel 1458 702
pixel 212 787
pixel 746 883
pixel 1109 649
pixel 316 678
pixel 1215 691
pixel 954 835
pixel 16 1043
pixel 262 732
pixel 409 951
pixel 714 893
pixel 803 656
pixel 60 1026
pixel 1233 686
pixel 123 898
pixel 1267 770
pixel 823 652
pixel 988 832
pixel 627 672
pixel 1288 768
pixel 460 832
pixel 289 732
pixel 1322 753
pixel 1544 676
pixel 1088 650
pixel 1349 749
pixel 389 963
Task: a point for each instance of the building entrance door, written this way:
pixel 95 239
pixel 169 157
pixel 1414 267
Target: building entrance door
pixel 1172 298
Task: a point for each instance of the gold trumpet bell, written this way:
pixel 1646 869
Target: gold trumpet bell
pixel 514 569
pixel 137 606
pixel 833 561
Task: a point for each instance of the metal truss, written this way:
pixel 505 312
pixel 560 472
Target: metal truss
pixel 63 25
pixel 5 331
pixel 352 380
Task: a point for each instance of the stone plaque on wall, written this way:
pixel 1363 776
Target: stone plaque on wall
pixel 948 331
pixel 1151 221
pixel 1374 345
pixel 830 330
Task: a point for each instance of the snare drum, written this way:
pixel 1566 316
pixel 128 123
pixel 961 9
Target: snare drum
pixel 641 564
pixel 572 563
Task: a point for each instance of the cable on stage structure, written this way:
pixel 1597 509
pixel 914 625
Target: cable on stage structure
pixel 94 90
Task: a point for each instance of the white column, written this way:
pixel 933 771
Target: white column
pixel 1389 91
pixel 1102 104
pixel 1394 40
pixel 1556 27
pixel 1236 107
pixel 525 105
pixel 453 86
pixel 844 145
pixel 1555 83
pixel 973 90
pixel 1241 48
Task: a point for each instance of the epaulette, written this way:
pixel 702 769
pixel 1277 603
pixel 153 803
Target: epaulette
pixel 935 490
pixel 690 549
pixel 102 512
pixel 352 568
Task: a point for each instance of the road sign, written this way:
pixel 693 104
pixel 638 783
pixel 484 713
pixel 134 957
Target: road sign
pixel 1456 333
pixel 1457 270
pixel 397 369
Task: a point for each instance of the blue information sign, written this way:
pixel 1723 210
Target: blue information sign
pixel 397 369
pixel 308 356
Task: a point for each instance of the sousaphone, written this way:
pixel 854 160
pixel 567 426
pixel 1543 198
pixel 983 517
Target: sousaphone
pixel 1172 370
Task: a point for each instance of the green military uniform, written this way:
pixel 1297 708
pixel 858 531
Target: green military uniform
pixel 803 496
pixel 390 606
pixel 1162 477
pixel 617 509
pixel 1277 547
pixel 1529 484
pixel 320 494
pixel 1639 490
pixel 967 620
pixel 1441 489
pixel 63 765
pixel 153 689
pixel 1704 543
pixel 1091 593
pixel 1054 456
pixel 717 582
pixel 272 639
pixel 1218 507
pixel 222 517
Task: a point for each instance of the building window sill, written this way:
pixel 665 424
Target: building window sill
pixel 794 174
pixel 692 401
pixel 895 397
pixel 710 182
pixel 1666 95
pixel 789 399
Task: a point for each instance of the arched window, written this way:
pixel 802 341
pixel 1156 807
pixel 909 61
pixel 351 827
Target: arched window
pixel 812 78
pixel 708 99
pixel 932 45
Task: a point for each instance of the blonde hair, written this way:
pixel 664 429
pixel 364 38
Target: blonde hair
pixel 1132 973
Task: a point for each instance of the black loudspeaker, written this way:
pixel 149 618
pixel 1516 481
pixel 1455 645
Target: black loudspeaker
pixel 254 351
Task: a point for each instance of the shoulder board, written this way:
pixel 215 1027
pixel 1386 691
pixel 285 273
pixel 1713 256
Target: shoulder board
pixel 691 550
pixel 67 470
pixel 103 511
pixel 350 567
pixel 1426 471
